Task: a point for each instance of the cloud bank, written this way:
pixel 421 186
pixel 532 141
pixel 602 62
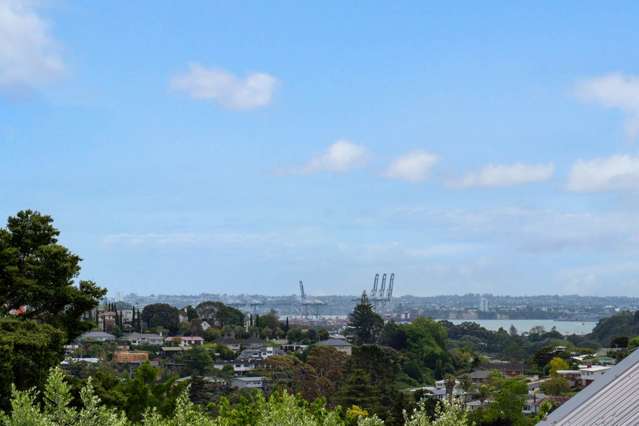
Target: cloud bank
pixel 29 56
pixel 618 91
pixel 618 172
pixel 414 166
pixel 495 175
pixel 225 89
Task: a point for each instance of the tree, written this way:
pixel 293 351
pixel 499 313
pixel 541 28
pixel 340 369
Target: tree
pixel 38 275
pixel 556 385
pixel 269 320
pixel 557 364
pixel 450 413
pixel 450 381
pixel 289 373
pixel 198 361
pixel 426 345
pixel 619 342
pixel 366 325
pixel 219 315
pixel 508 398
pixel 161 315
pixel 330 366
pixel 28 350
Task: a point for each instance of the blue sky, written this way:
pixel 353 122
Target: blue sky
pixel 223 147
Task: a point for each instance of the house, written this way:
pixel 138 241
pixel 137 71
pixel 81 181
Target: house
pixel 128 357
pixel 185 340
pixel 239 366
pixel 611 399
pixel 88 360
pixel 340 344
pixel 479 377
pixel 258 354
pixel 508 368
pixel 247 382
pixel 439 390
pixel 170 351
pixel 573 377
pixel 293 347
pixel 591 372
pixel 233 344
pixel 95 336
pixel 137 339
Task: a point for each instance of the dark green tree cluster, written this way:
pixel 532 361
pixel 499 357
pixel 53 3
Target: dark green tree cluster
pixel 161 315
pixel 219 315
pixel 42 304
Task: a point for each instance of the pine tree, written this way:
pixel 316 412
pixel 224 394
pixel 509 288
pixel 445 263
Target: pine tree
pixel 366 325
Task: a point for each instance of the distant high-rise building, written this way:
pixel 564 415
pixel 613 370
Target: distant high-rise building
pixel 483 304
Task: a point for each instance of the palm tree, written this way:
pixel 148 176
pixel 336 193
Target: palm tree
pixel 483 392
pixel 450 382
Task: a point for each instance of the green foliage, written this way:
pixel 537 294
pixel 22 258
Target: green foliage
pixel 621 324
pixel 220 315
pixel 146 389
pixel 39 273
pixel 28 350
pixel 507 402
pixel 365 324
pixel 370 381
pixel 198 361
pixel 556 385
pixel 557 364
pixel 449 413
pixel 161 315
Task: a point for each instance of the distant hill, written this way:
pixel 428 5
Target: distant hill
pixel 622 324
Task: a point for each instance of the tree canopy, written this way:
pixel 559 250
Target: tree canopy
pixel 161 315
pixel 40 275
pixel 365 324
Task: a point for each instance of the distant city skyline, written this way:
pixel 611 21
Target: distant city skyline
pixel 227 148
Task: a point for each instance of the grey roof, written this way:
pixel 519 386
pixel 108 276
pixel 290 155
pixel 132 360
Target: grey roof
pixel 334 342
pixel 96 335
pixel 141 336
pixel 480 374
pixel 612 399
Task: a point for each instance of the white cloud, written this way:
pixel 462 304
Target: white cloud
pixel 412 167
pixel 340 157
pixel 618 172
pixel 232 92
pixel 528 230
pixel 495 175
pixel 29 55
pixel 618 91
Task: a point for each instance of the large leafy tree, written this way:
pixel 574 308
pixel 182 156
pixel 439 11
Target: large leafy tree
pixel 28 350
pixel 161 315
pixel 330 366
pixel 220 315
pixel 40 275
pixel 41 304
pixel 365 324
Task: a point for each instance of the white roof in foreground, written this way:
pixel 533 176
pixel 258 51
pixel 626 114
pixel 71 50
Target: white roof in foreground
pixel 611 400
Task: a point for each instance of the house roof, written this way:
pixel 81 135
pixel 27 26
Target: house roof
pixel 610 400
pixel 334 342
pixel 480 374
pixel 96 335
pixel 134 335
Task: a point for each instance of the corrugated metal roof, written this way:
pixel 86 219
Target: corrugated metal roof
pixel 612 400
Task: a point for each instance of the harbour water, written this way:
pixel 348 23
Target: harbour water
pixel 564 327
